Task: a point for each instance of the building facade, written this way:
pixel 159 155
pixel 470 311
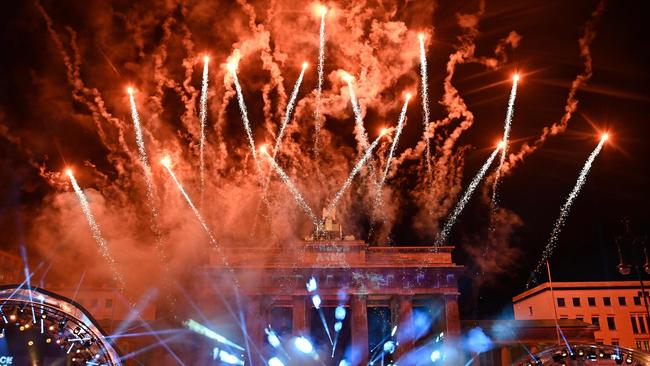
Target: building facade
pixel 401 283
pixel 618 309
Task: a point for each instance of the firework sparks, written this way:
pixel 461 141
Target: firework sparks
pixel 289 110
pixel 425 99
pixel 359 130
pixel 232 67
pixel 353 173
pixel 566 208
pixel 322 10
pixel 167 163
pixel 142 152
pixel 203 116
pixel 442 236
pixel 391 152
pixel 296 194
pixel 506 135
pixel 94 228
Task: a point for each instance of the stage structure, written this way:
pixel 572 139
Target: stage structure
pixel 397 282
pixel 585 354
pixel 38 327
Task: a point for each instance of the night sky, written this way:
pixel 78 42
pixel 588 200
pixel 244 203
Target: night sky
pixel 43 128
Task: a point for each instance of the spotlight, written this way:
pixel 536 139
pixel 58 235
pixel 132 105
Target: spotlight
pixel 12 317
pixel 338 326
pixel 389 347
pixel 48 340
pixel 628 360
pixel 51 327
pixel 274 361
pixel 581 352
pixel 339 313
pixel 30 343
pixel 316 300
pixel 408 96
pixel 303 345
pixel 312 285
pixel 383 131
pixel 21 328
pixel 76 331
pixel 436 356
pixel 501 144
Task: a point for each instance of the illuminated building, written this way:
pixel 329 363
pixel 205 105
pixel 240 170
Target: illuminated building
pixel 401 285
pixel 617 308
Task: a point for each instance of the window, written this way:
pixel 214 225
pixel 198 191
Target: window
pixel 580 317
pixel 591 301
pixel 621 301
pixel 643 345
pixel 614 342
pixel 576 301
pixel 637 300
pixel 635 327
pixel 642 325
pixel 611 323
pixel 530 310
pixel 109 303
pixel 607 301
pixel 595 321
pixel 560 302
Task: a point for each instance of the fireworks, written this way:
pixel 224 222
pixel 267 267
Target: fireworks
pixel 566 208
pixel 166 162
pixel 296 194
pixel 451 220
pixel 506 134
pixel 94 228
pixel 142 152
pixel 359 130
pixel 400 126
pixel 322 10
pixel 203 116
pixel 232 67
pixel 425 98
pixel 353 173
pixel 287 113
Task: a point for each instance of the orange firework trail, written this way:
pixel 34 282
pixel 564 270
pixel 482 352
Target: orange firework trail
pixel 425 99
pixel 321 61
pixel 94 228
pixel 566 208
pixel 203 117
pixel 296 194
pixel 442 235
pixel 506 135
pixel 289 110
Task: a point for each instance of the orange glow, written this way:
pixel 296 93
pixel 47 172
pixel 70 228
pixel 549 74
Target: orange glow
pixel 383 131
pixel 129 90
pixel 421 36
pixel 604 137
pixel 408 96
pixel 501 144
pixel 68 171
pixel 232 66
pixel 206 59
pixel 322 10
pixel 263 149
pixel 346 77
pixel 166 161
pixel 305 65
pixel 515 77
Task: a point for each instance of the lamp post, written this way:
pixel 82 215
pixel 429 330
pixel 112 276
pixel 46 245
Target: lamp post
pixel 637 245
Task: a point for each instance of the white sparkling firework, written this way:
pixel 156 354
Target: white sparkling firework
pixel 425 97
pixel 506 134
pixel 359 130
pixel 289 110
pixel 244 114
pixel 94 228
pixel 566 208
pixel 353 173
pixel 296 194
pixel 391 152
pixel 321 62
pixel 142 152
pixel 451 220
pixel 167 164
pixel 203 116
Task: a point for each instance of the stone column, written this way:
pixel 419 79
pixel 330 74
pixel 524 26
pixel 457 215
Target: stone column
pixel 452 330
pixel 506 357
pixel 359 325
pixel 255 323
pixel 300 315
pixel 402 308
